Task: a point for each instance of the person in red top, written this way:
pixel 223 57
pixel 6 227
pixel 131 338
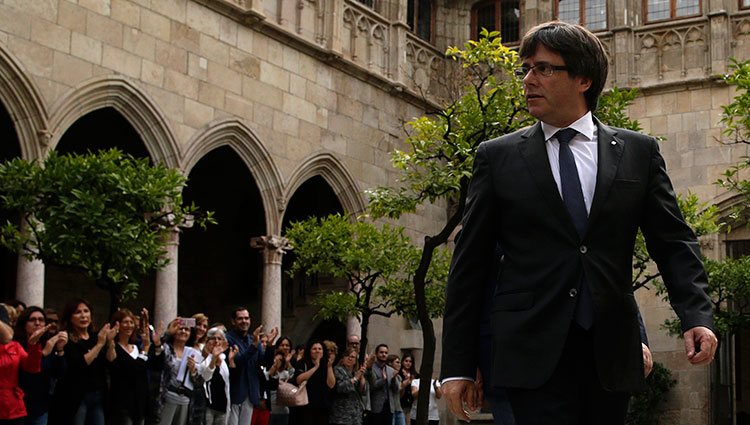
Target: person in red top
pixel 13 357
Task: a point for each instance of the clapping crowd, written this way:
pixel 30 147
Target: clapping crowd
pixel 62 370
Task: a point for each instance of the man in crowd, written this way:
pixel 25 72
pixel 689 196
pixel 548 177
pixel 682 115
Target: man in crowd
pixel 244 384
pixel 381 377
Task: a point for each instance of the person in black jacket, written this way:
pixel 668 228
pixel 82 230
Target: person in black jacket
pixel 128 370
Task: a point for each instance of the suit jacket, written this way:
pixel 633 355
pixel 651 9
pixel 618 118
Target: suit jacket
pixel 244 382
pixel 513 201
pixel 379 386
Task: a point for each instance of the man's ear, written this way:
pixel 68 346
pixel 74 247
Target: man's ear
pixel 584 83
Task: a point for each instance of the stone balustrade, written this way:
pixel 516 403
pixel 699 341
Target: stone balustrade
pixel 384 52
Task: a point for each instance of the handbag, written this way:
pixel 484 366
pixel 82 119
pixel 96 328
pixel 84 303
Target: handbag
pixel 289 395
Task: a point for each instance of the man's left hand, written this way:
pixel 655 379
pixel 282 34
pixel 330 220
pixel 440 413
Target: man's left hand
pixel 648 361
pixel 700 345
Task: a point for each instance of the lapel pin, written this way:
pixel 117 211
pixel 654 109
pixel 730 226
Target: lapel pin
pixel 613 143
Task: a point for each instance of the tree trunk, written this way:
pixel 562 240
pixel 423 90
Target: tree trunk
pixel 364 326
pixel 115 291
pixel 428 331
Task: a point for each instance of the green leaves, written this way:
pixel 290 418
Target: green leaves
pixel 734 116
pixel 729 291
pixel 440 148
pixel 612 107
pixel 107 214
pixel 377 262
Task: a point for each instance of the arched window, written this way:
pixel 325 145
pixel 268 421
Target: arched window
pixel 590 13
pixel 420 16
pixel 497 15
pixel 661 10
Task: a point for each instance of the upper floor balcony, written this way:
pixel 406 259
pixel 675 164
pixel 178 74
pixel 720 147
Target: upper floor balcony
pixel 357 39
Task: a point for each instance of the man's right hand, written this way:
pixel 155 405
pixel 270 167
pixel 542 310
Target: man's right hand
pixel 460 393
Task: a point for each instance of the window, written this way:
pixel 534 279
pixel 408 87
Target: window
pixel 744 4
pixel 419 14
pixel 738 248
pixel 590 13
pixel 497 15
pixel 368 3
pixel 659 10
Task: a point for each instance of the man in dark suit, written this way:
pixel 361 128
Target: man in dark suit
pixel 565 199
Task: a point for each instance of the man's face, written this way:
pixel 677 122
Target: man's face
pixel 353 342
pixel 556 99
pixel 242 321
pixel 382 354
pixel 54 322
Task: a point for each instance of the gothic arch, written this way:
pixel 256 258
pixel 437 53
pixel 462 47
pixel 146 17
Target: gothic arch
pixel 239 137
pixel 335 174
pixel 19 95
pixel 128 99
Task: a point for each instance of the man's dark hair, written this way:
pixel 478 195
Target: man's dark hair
pixel 381 345
pixel 582 51
pixel 238 309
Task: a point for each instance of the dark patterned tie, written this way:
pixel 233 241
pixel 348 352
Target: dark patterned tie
pixel 573 198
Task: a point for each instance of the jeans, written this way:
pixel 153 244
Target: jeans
pixel 214 417
pixel 90 411
pixel 241 414
pixel 174 414
pixel 399 418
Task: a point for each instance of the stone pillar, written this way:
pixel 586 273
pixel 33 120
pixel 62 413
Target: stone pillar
pixel 272 249
pixel 165 299
pixel 29 277
pixel 30 281
pixel 333 23
pixel 353 327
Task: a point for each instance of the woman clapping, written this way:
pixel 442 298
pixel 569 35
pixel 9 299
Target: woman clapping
pixel 128 369
pixel 350 385
pixel 37 386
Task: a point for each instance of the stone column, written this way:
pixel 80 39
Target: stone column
pixel 333 22
pixel 353 327
pixel 29 278
pixel 30 281
pixel 272 249
pixel 165 299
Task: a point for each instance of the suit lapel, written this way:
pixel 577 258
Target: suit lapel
pixel 610 149
pixel 534 153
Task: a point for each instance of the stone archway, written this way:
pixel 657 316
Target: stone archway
pixel 9 149
pixel 125 97
pixel 97 130
pixel 313 198
pixel 24 105
pixel 24 133
pixel 217 268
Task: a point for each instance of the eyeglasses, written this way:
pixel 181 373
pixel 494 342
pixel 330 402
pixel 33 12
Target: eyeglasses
pixel 542 68
pixel 36 319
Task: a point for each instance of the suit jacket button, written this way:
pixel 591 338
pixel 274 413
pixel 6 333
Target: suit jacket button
pixel 573 292
pixel 583 249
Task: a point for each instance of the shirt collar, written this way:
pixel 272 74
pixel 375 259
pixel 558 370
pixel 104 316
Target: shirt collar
pixel 584 125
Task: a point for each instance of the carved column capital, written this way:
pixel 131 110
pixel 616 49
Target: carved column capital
pixel 274 247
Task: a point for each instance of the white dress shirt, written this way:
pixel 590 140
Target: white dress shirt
pixel 584 148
